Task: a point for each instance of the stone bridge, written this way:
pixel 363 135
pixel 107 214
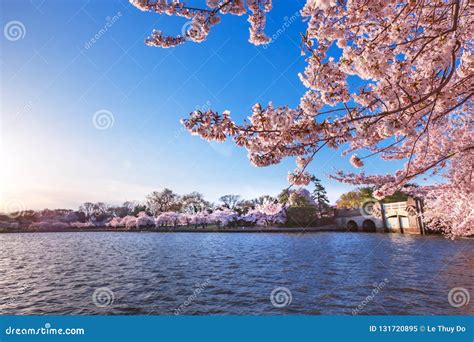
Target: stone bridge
pixel 399 217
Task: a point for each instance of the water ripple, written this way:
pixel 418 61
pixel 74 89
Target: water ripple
pixel 166 273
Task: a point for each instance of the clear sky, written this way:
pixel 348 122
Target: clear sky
pixel 54 79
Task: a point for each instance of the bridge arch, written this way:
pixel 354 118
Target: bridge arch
pixel 352 226
pixel 369 226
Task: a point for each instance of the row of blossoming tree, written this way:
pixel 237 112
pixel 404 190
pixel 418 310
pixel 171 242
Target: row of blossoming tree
pixel 415 61
pixel 170 210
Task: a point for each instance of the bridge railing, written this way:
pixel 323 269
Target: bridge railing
pixel 395 206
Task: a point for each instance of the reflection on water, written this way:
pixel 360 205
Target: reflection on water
pixel 212 273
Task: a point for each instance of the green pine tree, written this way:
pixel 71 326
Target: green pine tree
pixel 319 195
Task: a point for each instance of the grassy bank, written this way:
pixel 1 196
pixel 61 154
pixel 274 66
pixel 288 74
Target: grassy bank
pixel 209 229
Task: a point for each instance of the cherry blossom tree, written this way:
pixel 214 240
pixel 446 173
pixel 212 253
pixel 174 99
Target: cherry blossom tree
pixel 129 222
pixel 223 216
pixel 203 19
pixel 115 222
pixel 166 218
pixel 448 207
pixel 267 214
pixel 414 60
pixel 145 220
pixel 201 218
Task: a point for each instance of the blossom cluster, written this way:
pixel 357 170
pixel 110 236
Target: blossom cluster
pixel 415 62
pixel 268 213
pixel 203 19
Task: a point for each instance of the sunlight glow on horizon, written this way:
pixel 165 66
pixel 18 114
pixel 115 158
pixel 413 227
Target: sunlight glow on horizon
pixel 54 157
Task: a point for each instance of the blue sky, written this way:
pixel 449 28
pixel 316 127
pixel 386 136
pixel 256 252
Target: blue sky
pixel 52 84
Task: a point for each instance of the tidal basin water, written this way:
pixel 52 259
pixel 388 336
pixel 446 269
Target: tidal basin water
pixel 232 273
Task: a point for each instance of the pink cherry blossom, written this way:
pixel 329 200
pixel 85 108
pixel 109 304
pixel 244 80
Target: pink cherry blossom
pixel 356 162
pixel 223 216
pixel 144 220
pixel 167 218
pixel 415 59
pixel 267 214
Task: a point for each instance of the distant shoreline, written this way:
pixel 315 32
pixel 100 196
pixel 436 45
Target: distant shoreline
pixel 327 228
